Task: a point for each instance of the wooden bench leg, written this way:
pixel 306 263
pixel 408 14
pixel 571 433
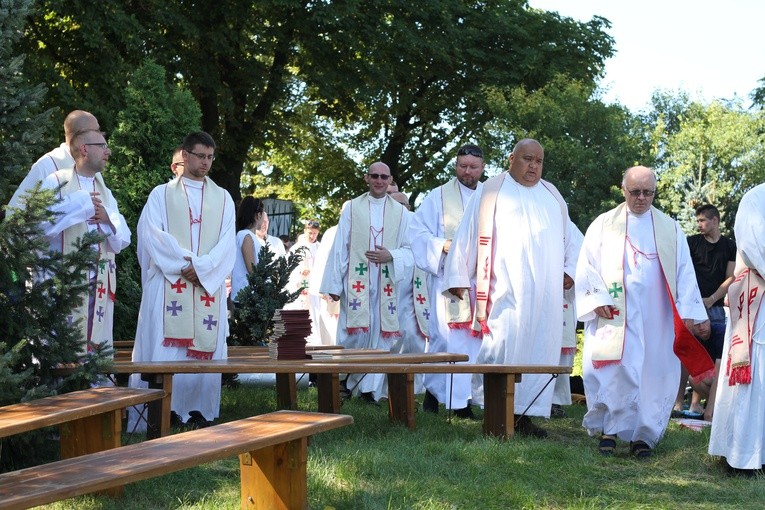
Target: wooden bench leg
pixel 401 399
pixel 499 404
pixel 286 391
pixel 90 435
pixel 275 477
pixel 158 415
pixel 328 386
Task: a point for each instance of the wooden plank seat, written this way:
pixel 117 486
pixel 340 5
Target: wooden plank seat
pixel 89 420
pixel 272 451
pixel 499 383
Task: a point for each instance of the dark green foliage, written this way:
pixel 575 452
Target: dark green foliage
pixel 22 123
pixel 252 320
pixel 39 287
pixel 155 119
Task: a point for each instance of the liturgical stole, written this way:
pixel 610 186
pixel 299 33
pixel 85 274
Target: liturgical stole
pixel 191 315
pixel 610 333
pixel 458 312
pixel 357 293
pixel 745 298
pixel 105 278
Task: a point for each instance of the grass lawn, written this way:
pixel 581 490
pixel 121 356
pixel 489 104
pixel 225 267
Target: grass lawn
pixel 450 465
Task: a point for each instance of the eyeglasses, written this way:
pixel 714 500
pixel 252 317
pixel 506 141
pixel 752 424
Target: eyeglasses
pixel 312 224
pixel 648 193
pixel 208 157
pixel 103 145
pixel 384 177
pixel 470 152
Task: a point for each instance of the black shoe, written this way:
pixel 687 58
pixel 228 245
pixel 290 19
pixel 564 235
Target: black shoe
pixel 744 473
pixel 640 449
pixel 197 421
pixel 430 404
pixel 465 412
pixel 525 427
pixel 368 398
pixel 175 420
pixel 557 411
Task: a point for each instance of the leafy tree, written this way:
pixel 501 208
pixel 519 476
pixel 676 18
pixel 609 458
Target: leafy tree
pixel 715 154
pixel 587 143
pixel 22 123
pixel 398 81
pixel 156 117
pixel 252 321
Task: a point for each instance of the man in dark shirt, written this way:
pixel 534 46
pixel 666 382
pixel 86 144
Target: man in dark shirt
pixel 714 257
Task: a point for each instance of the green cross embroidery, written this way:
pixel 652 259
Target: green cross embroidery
pixel 615 290
pixel 385 271
pixel 361 269
pixel 417 282
pixel 102 265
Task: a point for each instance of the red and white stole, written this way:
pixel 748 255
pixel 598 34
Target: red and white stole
pixel 568 344
pixel 191 315
pixel 745 298
pixel 357 306
pixel 458 311
pixel 484 260
pixel 610 333
pixel 105 277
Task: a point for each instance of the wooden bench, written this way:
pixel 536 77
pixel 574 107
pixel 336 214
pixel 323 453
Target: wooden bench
pixel 499 383
pixel 89 420
pixel 272 451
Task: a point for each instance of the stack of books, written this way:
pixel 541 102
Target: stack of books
pixel 291 327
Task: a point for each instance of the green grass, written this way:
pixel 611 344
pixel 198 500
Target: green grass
pixel 440 465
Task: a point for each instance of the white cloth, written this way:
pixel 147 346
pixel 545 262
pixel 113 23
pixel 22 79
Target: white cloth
pixel 326 317
pixel 525 318
pixel 427 239
pixel 164 259
pixel 57 159
pixel 738 425
pixel 335 280
pixel 77 208
pixel 275 246
pixel 239 273
pixel 562 390
pixel 634 399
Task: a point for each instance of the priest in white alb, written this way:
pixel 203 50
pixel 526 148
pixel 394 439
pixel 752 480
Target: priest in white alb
pixel 637 294
pixel 369 257
pixel 87 205
pixel 738 424
pixel 186 245
pixel 512 240
pixel 430 236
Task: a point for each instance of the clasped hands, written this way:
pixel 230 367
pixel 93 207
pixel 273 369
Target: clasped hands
pixel 190 273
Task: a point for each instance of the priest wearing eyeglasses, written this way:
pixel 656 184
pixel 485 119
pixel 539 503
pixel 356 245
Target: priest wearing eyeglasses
pixel 370 257
pixel 637 294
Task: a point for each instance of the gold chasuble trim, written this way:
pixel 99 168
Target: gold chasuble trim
pixel 104 286
pixel 191 315
pixel 357 305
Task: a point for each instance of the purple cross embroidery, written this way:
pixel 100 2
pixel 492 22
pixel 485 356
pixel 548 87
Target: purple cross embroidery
pixel 354 304
pixel 100 313
pixel 426 313
pixel 209 322
pixel 391 308
pixel 174 308
pixel 112 266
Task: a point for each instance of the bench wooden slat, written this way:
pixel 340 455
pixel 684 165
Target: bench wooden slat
pixel 98 471
pixel 48 411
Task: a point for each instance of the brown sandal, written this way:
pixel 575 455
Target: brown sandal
pixel 607 445
pixel 640 449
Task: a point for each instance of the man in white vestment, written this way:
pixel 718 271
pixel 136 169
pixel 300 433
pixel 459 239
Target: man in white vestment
pixel 300 277
pixel 634 264
pixel 512 240
pixel 87 205
pixel 186 246
pixel 329 310
pixel 59 158
pixel 738 424
pixel 430 236
pixel 370 255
